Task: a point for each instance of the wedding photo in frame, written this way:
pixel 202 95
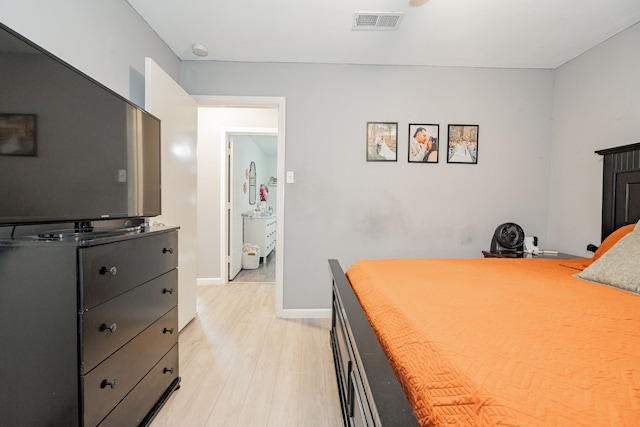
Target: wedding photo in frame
pixel 423 143
pixel 18 134
pixel 382 141
pixel 462 144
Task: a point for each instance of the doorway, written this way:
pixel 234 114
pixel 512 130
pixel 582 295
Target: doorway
pixel 251 205
pixel 213 176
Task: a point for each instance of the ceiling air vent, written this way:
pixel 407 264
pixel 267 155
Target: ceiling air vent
pixel 377 21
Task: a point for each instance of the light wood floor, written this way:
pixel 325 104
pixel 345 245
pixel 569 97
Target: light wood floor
pixel 266 271
pixel 242 366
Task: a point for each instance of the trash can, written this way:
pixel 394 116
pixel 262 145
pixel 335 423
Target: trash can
pixel 251 259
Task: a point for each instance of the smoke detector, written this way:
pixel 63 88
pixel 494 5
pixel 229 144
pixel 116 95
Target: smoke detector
pixel 377 21
pixel 199 49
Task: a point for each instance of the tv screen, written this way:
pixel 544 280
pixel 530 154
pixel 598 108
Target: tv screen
pixel 70 148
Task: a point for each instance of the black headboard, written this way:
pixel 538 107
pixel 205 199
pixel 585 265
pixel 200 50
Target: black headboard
pixel 620 187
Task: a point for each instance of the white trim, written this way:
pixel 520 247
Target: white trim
pixel 238 101
pixel 256 101
pixel 308 313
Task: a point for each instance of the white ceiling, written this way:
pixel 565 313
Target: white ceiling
pixel 468 33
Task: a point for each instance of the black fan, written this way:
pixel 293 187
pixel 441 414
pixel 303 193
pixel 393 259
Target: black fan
pixel 508 238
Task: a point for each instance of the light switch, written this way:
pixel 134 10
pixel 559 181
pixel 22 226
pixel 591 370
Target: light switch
pixel 122 175
pixel 290 178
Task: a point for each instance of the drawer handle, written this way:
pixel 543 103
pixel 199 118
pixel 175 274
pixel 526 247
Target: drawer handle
pixel 165 250
pixel 111 328
pixel 165 370
pixel 165 330
pixel 167 291
pixel 107 383
pixel 112 271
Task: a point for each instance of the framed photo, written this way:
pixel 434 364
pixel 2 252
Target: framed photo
pixel 18 134
pixel 462 145
pixel 423 143
pixel 382 142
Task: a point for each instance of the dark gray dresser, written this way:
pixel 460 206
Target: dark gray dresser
pixel 88 328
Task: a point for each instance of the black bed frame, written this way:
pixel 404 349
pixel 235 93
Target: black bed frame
pixel 620 187
pixel 370 394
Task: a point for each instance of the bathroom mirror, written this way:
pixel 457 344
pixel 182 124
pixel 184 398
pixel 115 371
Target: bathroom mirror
pixel 252 184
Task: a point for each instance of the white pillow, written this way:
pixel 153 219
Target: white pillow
pixel 619 266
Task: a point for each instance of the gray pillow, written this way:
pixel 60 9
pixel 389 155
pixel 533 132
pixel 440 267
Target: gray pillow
pixel 619 266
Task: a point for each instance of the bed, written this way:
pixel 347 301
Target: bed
pixel 498 341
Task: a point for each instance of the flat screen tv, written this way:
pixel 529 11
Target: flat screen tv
pixel 71 150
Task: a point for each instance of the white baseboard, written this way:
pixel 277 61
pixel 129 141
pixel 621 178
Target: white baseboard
pixel 209 281
pixel 308 313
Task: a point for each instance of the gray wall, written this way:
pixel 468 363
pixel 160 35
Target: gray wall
pixel 536 165
pixel 107 40
pixel 597 105
pixel 343 207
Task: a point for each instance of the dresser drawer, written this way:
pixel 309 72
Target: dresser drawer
pixel 110 381
pixel 140 401
pixel 108 326
pixel 112 269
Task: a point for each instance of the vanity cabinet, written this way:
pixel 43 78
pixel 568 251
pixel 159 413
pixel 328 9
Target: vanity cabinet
pixel 261 231
pixel 90 328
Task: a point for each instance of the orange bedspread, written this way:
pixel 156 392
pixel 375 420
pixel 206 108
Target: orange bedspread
pixel 514 342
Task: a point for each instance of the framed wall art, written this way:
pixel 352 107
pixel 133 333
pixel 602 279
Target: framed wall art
pixel 382 141
pixel 423 143
pixel 462 146
pixel 18 134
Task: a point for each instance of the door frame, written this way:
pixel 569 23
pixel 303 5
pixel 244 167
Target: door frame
pixel 225 135
pixel 278 103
